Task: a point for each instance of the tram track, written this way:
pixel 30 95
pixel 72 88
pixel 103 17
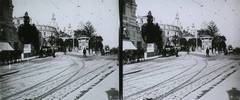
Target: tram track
pixel 12 80
pixel 33 67
pixel 69 79
pixel 180 81
pixel 176 61
pixel 42 82
pixel 158 84
pixel 192 80
pixel 158 71
pixel 74 80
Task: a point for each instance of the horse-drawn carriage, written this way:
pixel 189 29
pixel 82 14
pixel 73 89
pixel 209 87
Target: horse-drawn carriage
pixel 131 54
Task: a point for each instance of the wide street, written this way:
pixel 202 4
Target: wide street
pixel 187 77
pixel 65 77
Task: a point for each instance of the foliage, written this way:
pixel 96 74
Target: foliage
pixel 29 34
pixel 218 41
pixel 213 29
pixel 60 42
pixel 95 42
pixel 89 29
pixel 51 40
pixel 152 33
pixel 79 33
pixel 183 42
pixel 62 34
pixel 175 39
pixel 69 43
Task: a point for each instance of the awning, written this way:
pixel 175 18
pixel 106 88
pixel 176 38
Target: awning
pixel 4 46
pixel 127 45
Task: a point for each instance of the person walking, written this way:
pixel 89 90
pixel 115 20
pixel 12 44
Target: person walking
pixel 207 52
pixel 84 52
pixel 53 53
pixel 176 52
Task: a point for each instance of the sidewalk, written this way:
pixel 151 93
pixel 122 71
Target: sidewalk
pixel 220 91
pixel 204 53
pixel 99 92
pixel 13 68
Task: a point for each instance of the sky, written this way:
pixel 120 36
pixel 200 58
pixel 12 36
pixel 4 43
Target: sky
pixel 225 14
pixel 103 14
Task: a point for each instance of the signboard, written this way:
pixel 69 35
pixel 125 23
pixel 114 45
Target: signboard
pixel 27 48
pixel 150 47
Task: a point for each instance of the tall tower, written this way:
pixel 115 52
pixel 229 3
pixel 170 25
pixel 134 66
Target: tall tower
pixel 177 21
pixel 53 22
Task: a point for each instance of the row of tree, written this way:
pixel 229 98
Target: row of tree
pixel 218 42
pixel 95 41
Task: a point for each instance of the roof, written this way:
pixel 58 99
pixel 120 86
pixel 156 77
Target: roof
pixel 4 46
pixel 128 45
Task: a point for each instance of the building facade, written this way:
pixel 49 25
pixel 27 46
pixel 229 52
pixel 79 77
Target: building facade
pixel 131 29
pixel 7 30
pixel 46 31
pixel 171 35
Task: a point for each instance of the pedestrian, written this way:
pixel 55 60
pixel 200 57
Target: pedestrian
pixel 84 52
pixel 53 53
pixel 176 52
pixel 64 50
pixel 207 52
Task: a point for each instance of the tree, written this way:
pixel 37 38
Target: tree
pixel 152 33
pixel 203 32
pixel 59 42
pixel 89 29
pixel 51 40
pixel 28 34
pixel 213 29
pixel 175 39
pixel 79 33
pixel 62 34
pixel 183 42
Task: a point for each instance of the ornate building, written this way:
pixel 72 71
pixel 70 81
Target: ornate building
pixel 7 30
pixel 131 30
pixel 172 32
pixel 45 30
pixel 53 22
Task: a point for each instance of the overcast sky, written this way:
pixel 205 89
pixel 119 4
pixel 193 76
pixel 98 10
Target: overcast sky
pixel 225 13
pixel 104 14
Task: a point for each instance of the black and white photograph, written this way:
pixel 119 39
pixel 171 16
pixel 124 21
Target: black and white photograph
pixel 181 49
pixel 59 49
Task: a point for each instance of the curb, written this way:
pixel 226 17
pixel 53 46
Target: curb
pixel 13 71
pixel 9 73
